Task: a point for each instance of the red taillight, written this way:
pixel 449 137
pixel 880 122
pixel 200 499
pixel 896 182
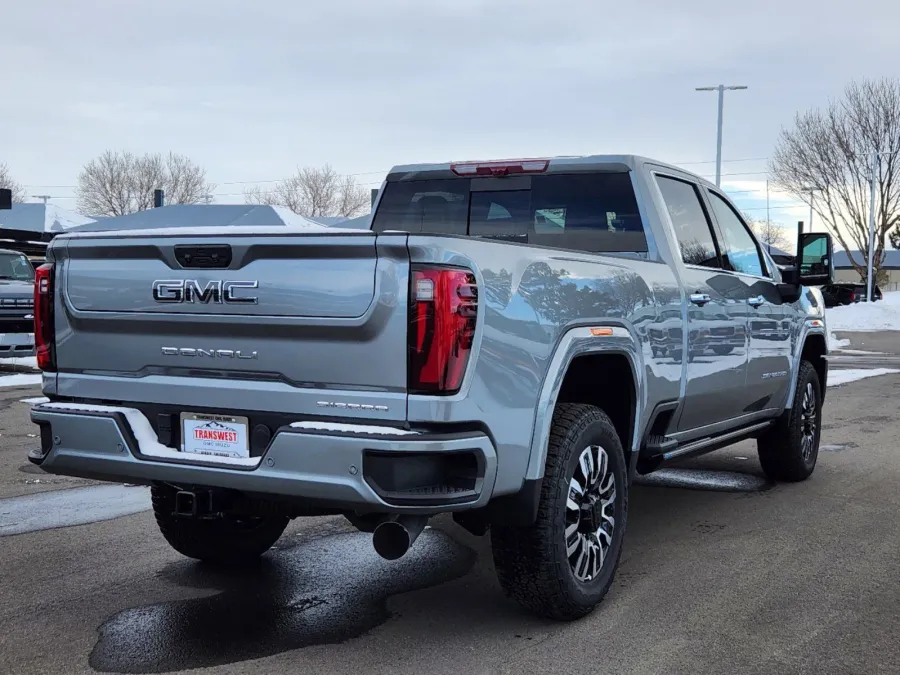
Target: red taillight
pixel 443 309
pixel 43 317
pixel 503 168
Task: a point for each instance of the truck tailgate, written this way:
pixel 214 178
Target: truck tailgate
pixel 301 323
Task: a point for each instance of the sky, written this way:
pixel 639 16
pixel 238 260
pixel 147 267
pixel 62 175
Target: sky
pixel 250 91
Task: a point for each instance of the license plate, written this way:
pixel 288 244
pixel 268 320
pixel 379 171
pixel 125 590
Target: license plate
pixel 214 435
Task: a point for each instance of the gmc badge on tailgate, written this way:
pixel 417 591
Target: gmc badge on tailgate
pixel 190 290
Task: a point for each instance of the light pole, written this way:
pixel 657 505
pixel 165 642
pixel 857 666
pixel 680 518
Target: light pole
pixel 812 195
pixel 721 89
pixel 871 224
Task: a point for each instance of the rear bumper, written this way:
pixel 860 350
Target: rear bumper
pixel 332 468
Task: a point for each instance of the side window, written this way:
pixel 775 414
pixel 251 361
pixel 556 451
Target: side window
pixel 739 246
pixel 692 227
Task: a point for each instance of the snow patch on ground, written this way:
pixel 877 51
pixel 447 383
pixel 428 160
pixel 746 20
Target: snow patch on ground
pixel 835 343
pixel 147 439
pixel 21 380
pixel 25 361
pixel 35 401
pixel 866 316
pixel 352 428
pixel 839 377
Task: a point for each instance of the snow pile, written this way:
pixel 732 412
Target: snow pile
pixel 21 380
pixel 24 361
pixel 863 316
pixel 834 343
pixel 838 377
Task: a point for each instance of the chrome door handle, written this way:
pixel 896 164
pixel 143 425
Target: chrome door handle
pixel 757 301
pixel 700 298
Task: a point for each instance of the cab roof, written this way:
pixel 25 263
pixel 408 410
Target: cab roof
pixel 561 164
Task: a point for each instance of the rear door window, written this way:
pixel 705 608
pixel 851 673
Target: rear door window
pixel 692 227
pixel 594 212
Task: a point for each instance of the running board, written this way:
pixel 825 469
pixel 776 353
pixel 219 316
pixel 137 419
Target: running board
pixel 715 442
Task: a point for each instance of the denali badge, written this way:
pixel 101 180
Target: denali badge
pixel 190 290
pixel 214 353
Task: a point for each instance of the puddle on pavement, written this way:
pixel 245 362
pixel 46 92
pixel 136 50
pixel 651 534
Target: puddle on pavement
pixel 699 479
pixel 322 591
pixel 838 448
pixel 75 506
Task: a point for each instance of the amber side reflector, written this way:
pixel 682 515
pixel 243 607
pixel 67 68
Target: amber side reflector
pixel 817 323
pixel 601 332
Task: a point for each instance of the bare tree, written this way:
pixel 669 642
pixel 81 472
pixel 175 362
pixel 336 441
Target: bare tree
pixel 769 234
pixel 313 192
pixel 8 182
pixel 118 183
pixel 830 151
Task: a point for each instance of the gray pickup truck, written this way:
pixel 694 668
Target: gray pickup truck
pixel 510 343
pixel 16 305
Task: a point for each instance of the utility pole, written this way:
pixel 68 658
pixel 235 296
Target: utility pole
pixel 768 220
pixel 721 89
pixel 871 225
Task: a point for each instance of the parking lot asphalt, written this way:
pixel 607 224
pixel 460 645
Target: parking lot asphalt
pixel 722 573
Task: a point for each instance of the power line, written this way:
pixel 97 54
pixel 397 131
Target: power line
pixel 385 171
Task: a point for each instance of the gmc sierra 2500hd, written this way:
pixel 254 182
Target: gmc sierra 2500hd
pixel 511 342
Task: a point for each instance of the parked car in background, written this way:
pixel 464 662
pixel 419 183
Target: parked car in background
pixel 863 294
pixel 848 293
pixel 840 294
pixel 16 305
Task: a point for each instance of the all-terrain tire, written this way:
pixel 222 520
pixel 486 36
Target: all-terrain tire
pixel 532 562
pixel 228 540
pixel 784 453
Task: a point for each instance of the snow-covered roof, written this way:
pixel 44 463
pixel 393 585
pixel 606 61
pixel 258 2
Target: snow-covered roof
pixel 842 261
pixel 204 215
pixel 357 223
pixel 41 218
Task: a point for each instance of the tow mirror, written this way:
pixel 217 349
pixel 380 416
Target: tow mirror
pixel 815 263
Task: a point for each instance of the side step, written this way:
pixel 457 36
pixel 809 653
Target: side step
pixel 661 449
pixel 711 443
pixel 659 445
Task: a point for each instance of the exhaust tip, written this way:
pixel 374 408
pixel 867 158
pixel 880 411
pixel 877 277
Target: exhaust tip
pixel 391 540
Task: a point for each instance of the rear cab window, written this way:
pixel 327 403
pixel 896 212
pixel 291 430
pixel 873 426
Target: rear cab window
pixel 593 212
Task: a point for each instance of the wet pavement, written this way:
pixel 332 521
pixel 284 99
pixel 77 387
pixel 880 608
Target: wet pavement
pixel 291 600
pixel 705 479
pixel 64 508
pixel 721 572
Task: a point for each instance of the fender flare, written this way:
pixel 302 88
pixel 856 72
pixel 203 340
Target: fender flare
pixel 577 342
pixel 805 332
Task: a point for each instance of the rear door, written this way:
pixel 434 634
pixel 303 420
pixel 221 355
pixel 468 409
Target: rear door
pixel 768 317
pixel 305 324
pixel 717 321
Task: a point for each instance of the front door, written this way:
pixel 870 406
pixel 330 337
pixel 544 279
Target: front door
pixel 768 318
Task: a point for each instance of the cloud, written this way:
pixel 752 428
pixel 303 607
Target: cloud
pixel 252 90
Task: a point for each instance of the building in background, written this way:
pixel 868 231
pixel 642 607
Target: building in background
pixel 845 272
pixel 28 228
pixel 206 215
